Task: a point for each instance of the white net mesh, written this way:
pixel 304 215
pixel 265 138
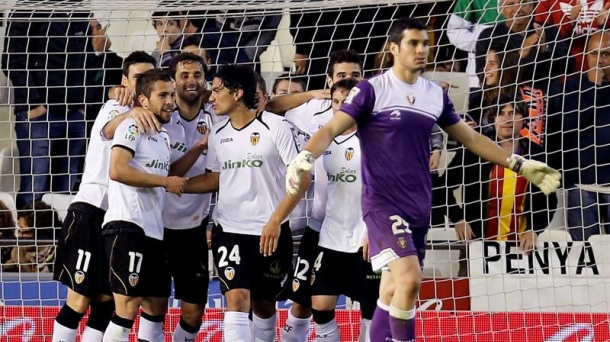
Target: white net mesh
pixel 53 56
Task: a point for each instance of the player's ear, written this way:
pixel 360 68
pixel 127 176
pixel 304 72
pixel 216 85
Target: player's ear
pixel 329 81
pixel 394 49
pixel 143 101
pixel 124 81
pixel 238 94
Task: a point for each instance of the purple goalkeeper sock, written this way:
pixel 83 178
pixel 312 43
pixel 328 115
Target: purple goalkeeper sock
pixel 380 324
pixel 403 328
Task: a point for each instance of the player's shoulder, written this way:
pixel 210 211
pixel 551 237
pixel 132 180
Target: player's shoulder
pixel 270 121
pixel 219 127
pixel 110 109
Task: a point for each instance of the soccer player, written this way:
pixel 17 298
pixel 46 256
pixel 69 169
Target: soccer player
pixel 395 112
pixel 251 241
pixel 307 118
pixel 78 256
pixel 341 265
pixel 133 227
pixel 185 217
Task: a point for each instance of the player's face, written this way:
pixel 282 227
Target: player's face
pixel 338 97
pixel 135 70
pixel 190 81
pixel 223 100
pixel 413 50
pixel 161 101
pixel 344 70
pixel 492 69
pixel 286 87
pixel 508 123
pixel 168 28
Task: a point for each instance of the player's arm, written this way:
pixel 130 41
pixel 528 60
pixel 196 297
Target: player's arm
pixel 540 174
pixel 121 171
pixel 144 118
pixel 281 104
pixel 181 166
pixel 204 183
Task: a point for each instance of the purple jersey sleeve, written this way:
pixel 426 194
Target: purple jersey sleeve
pixel 448 117
pixel 360 101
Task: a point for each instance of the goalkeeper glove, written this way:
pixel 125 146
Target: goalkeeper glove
pixel 303 162
pixel 543 176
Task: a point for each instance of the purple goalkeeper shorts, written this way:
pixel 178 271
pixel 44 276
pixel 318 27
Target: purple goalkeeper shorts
pixel 392 238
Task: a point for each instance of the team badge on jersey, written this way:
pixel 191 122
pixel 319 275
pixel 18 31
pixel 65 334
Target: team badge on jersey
pixel 349 153
pixel 79 277
pixel 229 273
pixel 113 113
pixel 255 138
pixel 133 279
pixel 411 98
pixel 351 95
pixel 401 242
pixel 202 127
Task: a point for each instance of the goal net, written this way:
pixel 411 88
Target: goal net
pixel 531 75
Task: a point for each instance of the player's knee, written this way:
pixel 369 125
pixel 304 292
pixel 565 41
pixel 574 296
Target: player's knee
pixel 408 284
pixel 155 306
pixel 323 317
pixel 77 302
pixel 300 311
pixel 192 313
pixel 127 307
pixel 238 300
pixel 263 308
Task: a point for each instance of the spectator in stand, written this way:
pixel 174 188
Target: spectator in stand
pixel 579 120
pixel 575 19
pixel 167 25
pixel 7 231
pixel 286 84
pixel 543 54
pixel 469 19
pixel 52 65
pixel 194 44
pixel 262 96
pixel 37 222
pixel 498 203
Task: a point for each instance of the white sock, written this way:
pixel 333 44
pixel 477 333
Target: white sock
pixel 62 333
pixel 150 331
pixel 116 333
pixel 237 327
pixel 91 335
pixel 296 329
pixel 365 327
pixel 264 328
pixel 181 335
pixel 327 332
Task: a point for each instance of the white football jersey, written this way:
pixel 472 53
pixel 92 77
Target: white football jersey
pixel 141 206
pixel 188 210
pixel 343 228
pixel 307 119
pixel 94 185
pixel 252 164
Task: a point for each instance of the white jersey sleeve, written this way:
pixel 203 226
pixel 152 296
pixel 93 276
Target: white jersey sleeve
pixel 212 163
pixel 285 139
pixel 94 185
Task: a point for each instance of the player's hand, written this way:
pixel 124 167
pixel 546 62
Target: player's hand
pixel 303 162
pixel 270 237
pixel 527 241
pixel 146 120
pixel 301 62
pixel 464 231
pixel 320 94
pixel 366 255
pixel 543 176
pixel 175 184
pixel 122 95
pixel 435 157
pixel 202 144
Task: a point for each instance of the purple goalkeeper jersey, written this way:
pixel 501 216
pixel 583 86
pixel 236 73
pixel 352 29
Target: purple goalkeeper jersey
pixel 394 123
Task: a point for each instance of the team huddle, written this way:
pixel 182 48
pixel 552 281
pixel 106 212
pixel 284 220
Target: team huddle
pixel 140 217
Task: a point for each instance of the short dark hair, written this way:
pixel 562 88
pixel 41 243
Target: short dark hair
pixel 171 15
pixel 400 25
pixel 185 57
pixel 260 82
pixel 195 39
pixel 147 81
pixel 136 57
pixel 41 218
pixel 515 100
pixel 345 84
pixel 287 77
pixel 243 77
pixel 342 56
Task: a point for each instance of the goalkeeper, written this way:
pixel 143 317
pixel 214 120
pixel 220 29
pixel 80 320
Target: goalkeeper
pixel 395 112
